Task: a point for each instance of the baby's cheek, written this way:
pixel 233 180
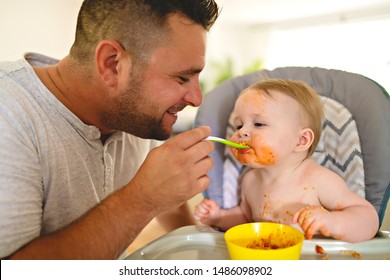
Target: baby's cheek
pixel 266 156
pixel 234 152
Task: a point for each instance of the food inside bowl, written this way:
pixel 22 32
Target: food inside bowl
pixel 271 242
pixel 264 241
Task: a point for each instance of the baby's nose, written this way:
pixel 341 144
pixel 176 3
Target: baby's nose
pixel 243 133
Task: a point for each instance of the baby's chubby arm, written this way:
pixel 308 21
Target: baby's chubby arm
pixel 210 213
pixel 345 215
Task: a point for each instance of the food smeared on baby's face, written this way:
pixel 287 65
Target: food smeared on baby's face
pixel 250 118
pixel 266 156
pixel 259 153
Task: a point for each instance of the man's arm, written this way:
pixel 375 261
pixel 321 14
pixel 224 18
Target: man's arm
pixel 102 233
pixel 170 175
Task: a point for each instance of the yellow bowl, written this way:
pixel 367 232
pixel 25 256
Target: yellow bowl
pixel 264 241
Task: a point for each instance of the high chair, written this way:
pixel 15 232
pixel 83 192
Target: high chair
pixel 355 142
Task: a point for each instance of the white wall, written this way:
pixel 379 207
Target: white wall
pixel 360 46
pixel 45 26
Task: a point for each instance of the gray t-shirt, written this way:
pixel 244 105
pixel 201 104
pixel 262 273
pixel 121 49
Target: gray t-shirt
pixel 53 167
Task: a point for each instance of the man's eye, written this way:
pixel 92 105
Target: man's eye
pixel 183 79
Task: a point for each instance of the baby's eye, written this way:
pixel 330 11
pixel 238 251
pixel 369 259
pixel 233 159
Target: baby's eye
pixel 238 127
pixel 259 124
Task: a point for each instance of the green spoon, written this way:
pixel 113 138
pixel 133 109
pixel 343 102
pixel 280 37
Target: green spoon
pixel 226 142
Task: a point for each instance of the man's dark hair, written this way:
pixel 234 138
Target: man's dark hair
pixel 138 25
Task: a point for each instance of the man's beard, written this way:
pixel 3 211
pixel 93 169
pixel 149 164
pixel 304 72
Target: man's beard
pixel 128 112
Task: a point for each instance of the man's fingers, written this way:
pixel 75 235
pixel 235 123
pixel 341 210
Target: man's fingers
pixel 203 183
pixel 189 138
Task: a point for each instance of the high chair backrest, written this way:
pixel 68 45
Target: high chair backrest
pixel 355 142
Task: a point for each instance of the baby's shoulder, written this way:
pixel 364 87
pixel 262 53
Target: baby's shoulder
pixel 320 173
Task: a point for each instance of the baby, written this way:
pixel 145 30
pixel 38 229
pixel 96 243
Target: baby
pixel 281 122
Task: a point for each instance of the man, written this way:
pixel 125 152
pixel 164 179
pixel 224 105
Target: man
pixel 77 180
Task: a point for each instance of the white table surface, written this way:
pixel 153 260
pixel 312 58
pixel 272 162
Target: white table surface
pixel 205 243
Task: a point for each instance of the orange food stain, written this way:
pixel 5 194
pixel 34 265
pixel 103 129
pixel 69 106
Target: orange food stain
pixel 289 213
pixel 266 156
pixel 352 253
pixel 319 249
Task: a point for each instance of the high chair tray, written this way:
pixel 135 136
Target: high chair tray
pixel 205 243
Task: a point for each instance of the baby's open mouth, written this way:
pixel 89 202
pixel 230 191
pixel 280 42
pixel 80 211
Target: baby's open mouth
pixel 244 143
pixel 245 150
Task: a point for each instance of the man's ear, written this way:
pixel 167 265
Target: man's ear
pixel 109 56
pixel 306 138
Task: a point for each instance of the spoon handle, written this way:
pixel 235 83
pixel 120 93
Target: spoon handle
pixel 226 142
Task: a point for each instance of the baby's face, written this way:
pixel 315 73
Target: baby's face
pixel 269 125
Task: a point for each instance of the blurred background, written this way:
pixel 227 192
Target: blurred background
pixel 350 35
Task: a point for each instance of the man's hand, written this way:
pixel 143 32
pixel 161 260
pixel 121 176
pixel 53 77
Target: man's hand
pixel 176 171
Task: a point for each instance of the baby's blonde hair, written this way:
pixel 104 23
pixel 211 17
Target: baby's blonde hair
pixel 305 95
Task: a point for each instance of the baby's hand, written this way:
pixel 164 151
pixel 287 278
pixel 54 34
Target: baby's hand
pixel 313 219
pixel 208 212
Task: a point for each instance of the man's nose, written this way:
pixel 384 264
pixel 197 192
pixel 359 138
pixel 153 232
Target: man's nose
pixel 194 94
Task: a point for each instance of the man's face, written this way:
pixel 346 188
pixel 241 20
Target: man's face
pixel 149 105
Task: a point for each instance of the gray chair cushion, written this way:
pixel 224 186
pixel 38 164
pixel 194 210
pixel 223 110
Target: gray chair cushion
pixel 367 101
